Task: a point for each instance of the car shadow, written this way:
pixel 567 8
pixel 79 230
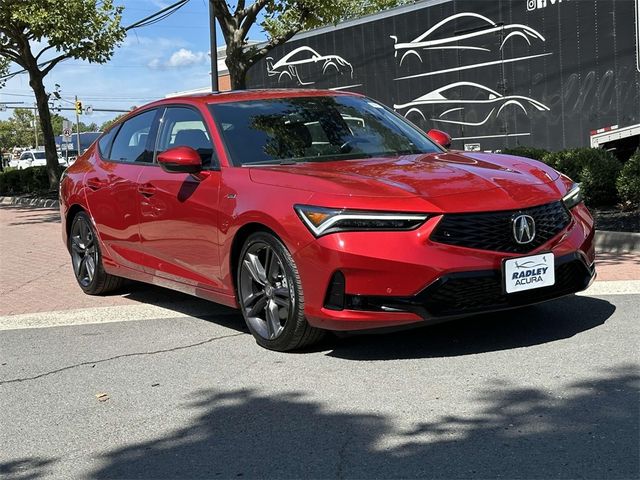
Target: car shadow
pixel 183 304
pixel 524 327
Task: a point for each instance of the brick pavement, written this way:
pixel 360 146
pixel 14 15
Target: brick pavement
pixel 36 275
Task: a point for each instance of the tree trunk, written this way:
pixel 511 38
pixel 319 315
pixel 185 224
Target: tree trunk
pixel 238 67
pixel 49 141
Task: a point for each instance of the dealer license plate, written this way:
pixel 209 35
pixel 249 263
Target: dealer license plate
pixel 527 273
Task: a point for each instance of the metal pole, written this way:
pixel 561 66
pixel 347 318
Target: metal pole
pixel 77 128
pixel 35 124
pixel 213 46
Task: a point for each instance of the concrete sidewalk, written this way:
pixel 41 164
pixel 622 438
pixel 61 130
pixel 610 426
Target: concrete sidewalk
pixel 36 274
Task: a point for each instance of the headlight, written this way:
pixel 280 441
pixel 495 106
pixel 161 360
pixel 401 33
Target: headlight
pixel 574 197
pixel 322 221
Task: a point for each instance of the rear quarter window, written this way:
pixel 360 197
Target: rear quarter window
pixel 104 143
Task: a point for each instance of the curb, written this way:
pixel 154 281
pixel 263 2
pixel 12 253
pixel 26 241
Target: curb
pixel 27 201
pixel 617 242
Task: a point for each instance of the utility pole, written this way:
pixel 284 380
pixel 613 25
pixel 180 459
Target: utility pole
pixel 77 126
pixel 35 125
pixel 213 47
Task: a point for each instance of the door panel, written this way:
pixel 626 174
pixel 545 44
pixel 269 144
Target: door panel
pixel 112 194
pixel 112 201
pixel 178 211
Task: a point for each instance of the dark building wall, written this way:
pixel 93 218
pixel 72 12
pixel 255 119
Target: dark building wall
pixel 494 73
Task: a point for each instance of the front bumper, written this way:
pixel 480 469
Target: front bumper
pixel 397 278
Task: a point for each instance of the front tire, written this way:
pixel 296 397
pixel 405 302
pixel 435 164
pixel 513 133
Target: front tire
pixel 86 258
pixel 270 295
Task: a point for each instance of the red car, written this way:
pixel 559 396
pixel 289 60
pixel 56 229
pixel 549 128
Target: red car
pixel 316 210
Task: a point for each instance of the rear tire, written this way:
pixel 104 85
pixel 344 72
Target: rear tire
pixel 270 295
pixel 86 258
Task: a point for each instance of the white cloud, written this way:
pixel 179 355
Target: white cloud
pixel 179 59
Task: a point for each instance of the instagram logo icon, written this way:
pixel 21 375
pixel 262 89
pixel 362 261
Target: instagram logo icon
pixel 538 4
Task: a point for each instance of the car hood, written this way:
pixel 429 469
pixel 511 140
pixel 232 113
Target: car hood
pixel 428 176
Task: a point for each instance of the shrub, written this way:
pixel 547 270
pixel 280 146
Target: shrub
pixel 527 152
pixel 598 177
pixel 29 180
pixel 596 169
pixel 628 182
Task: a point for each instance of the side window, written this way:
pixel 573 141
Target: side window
pixel 24 156
pixel 105 142
pixel 130 144
pixel 184 127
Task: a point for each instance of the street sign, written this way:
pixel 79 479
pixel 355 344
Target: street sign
pixel 88 110
pixel 66 132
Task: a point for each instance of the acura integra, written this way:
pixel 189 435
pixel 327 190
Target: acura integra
pixel 317 210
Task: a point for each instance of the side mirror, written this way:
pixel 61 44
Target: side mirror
pixel 180 160
pixel 441 138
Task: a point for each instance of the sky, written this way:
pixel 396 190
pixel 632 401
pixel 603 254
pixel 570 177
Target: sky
pixel 166 57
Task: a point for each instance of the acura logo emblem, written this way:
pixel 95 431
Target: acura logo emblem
pixel 524 229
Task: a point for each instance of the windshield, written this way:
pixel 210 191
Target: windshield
pixel 306 129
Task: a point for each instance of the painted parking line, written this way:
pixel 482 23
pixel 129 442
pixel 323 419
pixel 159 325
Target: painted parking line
pixel 198 308
pixel 120 313
pixel 613 287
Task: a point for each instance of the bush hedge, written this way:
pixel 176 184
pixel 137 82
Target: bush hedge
pixel 596 169
pixel 528 152
pixel 628 182
pixel 29 180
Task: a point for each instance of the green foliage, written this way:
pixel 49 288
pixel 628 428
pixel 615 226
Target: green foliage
pixel 281 19
pixel 596 169
pixel 527 152
pixel 29 180
pixel 18 130
pixel 108 123
pixel 598 178
pixel 282 16
pixel 83 29
pixel 628 182
pixel 4 69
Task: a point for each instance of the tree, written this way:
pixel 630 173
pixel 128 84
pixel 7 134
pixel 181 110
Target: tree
pixel 282 20
pixel 80 29
pixel 4 68
pixel 18 130
pixel 108 123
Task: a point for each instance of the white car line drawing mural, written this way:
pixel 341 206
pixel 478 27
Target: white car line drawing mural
pixel 460 96
pixel 432 39
pixel 288 66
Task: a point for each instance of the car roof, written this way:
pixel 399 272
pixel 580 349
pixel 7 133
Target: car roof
pixel 242 95
pixel 236 96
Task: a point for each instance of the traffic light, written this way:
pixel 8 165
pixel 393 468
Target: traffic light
pixel 78 107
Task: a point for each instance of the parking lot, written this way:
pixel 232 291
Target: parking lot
pixel 149 383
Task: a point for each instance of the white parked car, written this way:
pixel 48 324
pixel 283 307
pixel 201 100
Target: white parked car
pixel 35 158
pixel 32 158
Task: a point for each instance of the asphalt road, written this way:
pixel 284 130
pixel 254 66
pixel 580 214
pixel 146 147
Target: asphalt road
pixel 545 392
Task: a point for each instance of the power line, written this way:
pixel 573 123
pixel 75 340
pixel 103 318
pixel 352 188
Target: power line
pixel 146 21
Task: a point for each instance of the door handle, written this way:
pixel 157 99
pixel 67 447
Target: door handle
pixel 95 183
pixel 147 189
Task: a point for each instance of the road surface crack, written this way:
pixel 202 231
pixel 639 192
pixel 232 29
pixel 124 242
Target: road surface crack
pixel 124 355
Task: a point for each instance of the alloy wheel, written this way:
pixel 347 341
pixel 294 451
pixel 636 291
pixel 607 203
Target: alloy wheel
pixel 84 251
pixel 266 291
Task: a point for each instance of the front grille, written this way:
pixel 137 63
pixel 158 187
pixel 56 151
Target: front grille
pixel 494 230
pixel 483 291
pixel 465 293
